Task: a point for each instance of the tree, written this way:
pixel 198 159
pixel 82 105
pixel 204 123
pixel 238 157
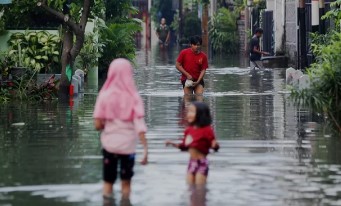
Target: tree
pixel 73 26
pixel 118 36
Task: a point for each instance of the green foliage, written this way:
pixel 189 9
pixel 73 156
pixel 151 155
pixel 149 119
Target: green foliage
pixel 5 65
pixel 119 41
pixel 205 2
pixel 175 23
pixel 118 10
pixel 26 88
pixel 324 93
pixel 192 25
pixel 223 32
pixel 2 23
pixel 25 14
pixel 239 5
pixel 35 50
pixel 115 35
pixel 92 49
pixel 260 4
pixel 4 95
pixel 335 14
pixel 57 4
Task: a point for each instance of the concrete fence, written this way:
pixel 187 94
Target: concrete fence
pixel 77 80
pixel 297 79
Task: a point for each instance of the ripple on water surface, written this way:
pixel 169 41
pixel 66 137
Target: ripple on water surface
pixel 271 153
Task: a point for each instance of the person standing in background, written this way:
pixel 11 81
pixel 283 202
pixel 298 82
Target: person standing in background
pixel 163 33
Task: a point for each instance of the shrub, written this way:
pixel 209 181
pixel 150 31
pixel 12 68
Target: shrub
pixel 223 32
pixel 119 42
pixel 324 93
pixel 192 25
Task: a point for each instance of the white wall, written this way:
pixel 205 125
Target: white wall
pixel 278 8
pixel 279 22
pixel 270 5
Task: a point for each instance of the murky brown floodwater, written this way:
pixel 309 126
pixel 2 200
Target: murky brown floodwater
pixel 271 153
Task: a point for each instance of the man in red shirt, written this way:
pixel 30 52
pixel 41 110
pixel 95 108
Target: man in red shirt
pixel 192 63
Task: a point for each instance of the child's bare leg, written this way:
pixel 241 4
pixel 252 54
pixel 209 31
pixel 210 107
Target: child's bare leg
pixel 188 91
pixel 125 188
pixel 190 179
pixel 199 89
pixel 107 189
pixel 200 179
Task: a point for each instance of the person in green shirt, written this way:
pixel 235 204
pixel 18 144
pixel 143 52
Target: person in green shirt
pixel 163 33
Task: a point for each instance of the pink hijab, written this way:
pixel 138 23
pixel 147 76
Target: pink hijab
pixel 119 98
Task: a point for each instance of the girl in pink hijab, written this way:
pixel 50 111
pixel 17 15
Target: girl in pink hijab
pixel 119 115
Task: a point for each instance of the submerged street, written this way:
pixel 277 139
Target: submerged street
pixel 272 153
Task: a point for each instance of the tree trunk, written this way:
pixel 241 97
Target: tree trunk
pixel 70 49
pixel 66 59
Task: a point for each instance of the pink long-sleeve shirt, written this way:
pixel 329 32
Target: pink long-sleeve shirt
pixel 121 137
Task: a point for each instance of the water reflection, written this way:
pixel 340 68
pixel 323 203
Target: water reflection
pixel 113 202
pixel 271 152
pixel 198 195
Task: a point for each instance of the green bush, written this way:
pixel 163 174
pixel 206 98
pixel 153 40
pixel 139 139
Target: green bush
pixel 324 93
pixel 92 49
pixel 34 50
pixel 223 32
pixel 119 42
pixel 192 25
pixel 25 14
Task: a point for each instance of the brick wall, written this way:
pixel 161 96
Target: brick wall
pixel 291 31
pixel 241 34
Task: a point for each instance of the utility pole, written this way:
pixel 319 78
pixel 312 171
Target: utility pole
pixel 180 20
pixel 148 25
pixel 204 27
pixel 322 12
pixel 302 33
pixel 247 27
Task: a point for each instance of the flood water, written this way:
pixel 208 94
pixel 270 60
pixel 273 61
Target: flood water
pixel 271 152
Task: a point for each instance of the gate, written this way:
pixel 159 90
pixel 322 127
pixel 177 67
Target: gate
pixel 268 34
pixel 325 24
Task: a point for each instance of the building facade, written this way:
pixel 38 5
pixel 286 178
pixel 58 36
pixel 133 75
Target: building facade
pixel 286 29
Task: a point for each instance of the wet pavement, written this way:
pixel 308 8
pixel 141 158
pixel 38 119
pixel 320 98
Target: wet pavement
pixel 271 152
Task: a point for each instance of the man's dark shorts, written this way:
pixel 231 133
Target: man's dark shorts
pixel 202 83
pixel 110 162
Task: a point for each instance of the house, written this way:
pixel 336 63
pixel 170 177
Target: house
pixel 292 25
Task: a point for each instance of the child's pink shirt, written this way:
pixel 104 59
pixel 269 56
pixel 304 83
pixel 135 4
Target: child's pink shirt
pixel 120 137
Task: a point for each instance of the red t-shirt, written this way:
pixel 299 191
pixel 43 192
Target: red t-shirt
pixel 193 63
pixel 199 138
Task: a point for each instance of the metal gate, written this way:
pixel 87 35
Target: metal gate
pixel 268 35
pixel 326 25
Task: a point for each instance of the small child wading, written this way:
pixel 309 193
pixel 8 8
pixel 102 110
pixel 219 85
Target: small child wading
pixel 119 115
pixel 198 139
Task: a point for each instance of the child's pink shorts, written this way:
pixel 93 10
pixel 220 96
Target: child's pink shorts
pixel 198 166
